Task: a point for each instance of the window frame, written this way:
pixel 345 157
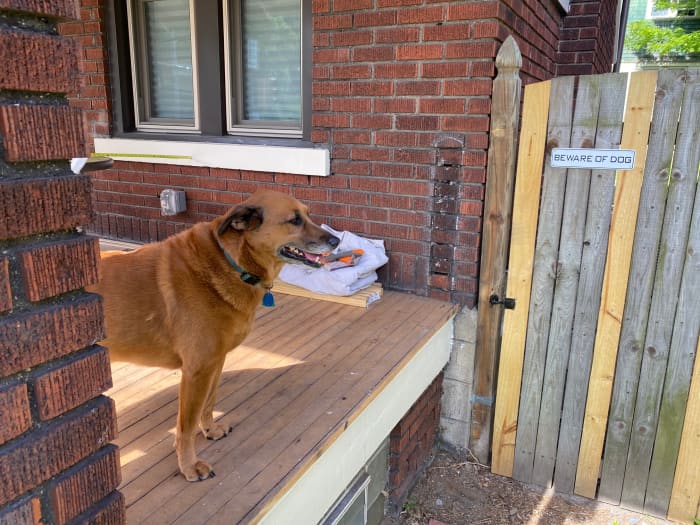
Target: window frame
pixel 212 117
pixel 233 61
pixel 141 72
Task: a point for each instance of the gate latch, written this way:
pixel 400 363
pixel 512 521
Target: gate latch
pixel 507 302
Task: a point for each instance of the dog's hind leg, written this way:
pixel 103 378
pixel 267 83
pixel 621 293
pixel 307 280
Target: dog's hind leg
pixel 210 429
pixel 194 387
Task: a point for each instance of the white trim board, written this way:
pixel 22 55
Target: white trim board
pixel 307 500
pixel 276 159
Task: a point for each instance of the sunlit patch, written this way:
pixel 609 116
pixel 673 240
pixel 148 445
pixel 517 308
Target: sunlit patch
pixel 247 357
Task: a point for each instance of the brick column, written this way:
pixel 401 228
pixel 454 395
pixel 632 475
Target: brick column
pixel 56 461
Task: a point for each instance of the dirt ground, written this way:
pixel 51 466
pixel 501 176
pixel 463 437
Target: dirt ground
pixel 455 491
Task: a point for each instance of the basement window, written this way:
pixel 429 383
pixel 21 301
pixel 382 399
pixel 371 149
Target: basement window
pixel 352 508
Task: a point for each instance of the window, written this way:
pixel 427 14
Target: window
pixel 206 67
pixel 688 10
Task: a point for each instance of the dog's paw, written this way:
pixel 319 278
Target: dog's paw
pixel 217 431
pixel 198 472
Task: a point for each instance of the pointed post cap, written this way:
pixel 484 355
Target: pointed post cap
pixel 509 56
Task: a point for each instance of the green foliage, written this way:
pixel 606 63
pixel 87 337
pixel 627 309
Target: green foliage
pixel 653 43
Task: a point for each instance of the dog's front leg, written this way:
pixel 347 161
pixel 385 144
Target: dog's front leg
pixel 210 429
pixel 194 387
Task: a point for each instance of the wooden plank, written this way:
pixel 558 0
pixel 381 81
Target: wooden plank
pixel 686 325
pixel 664 301
pixel 634 136
pixel 522 246
pixel 562 444
pixel 363 298
pixel 643 266
pixel 544 277
pixel 584 134
pixel 685 496
pixel 498 202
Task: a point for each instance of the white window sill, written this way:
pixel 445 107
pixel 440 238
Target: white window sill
pixel 278 159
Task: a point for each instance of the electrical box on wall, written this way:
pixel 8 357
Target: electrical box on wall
pixel 172 202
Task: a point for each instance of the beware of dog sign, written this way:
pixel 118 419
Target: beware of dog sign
pixel 597 159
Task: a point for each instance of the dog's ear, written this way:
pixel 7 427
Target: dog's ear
pixel 242 218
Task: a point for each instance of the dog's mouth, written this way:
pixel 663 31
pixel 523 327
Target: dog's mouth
pixel 296 255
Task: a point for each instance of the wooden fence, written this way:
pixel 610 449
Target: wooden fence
pixel 598 385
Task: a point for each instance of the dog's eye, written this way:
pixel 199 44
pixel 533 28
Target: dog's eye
pixel 297 221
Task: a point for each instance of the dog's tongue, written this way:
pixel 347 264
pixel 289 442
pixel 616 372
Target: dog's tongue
pixel 314 257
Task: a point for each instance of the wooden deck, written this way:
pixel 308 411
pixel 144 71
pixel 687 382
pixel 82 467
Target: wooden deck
pixel 308 370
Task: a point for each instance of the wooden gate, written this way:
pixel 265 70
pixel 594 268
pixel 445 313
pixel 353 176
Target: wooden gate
pixel 598 385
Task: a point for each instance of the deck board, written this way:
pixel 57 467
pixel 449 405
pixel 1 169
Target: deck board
pixel 305 372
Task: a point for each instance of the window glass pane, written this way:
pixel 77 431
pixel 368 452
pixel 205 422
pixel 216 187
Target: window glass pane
pixel 271 60
pixel 169 59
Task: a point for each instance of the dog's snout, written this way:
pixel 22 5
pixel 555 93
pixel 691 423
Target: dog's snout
pixel 333 241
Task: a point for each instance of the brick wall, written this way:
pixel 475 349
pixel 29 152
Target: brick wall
pixel 587 39
pixel 56 463
pixel 411 444
pixel 401 97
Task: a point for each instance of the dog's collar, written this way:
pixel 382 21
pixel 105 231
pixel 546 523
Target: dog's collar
pixel 247 277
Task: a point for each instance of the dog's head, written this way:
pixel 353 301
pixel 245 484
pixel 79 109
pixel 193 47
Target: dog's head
pixel 277 224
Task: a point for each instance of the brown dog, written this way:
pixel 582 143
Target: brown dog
pixel 187 301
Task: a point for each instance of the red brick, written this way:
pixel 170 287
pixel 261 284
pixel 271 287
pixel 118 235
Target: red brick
pixel 419 52
pixel 39 456
pixel 395 105
pixel 41 132
pixel 419 123
pixel 354 38
pixel 472 10
pixel 418 88
pixel 109 511
pixel 351 71
pixel 52 269
pixel 47 204
pixel 351 137
pixel 396 70
pixel 467 87
pixel 62 386
pixel 373 54
pixel 86 484
pixel 479 49
pixel 26 512
pixel 321 23
pixel 37 62
pixel 54 330
pixel 5 287
pixel 351 5
pixel 372 89
pixel 15 417
pixel 421 15
pixel 393 35
pixel 442 105
pixel 445 69
pixel 465 123
pixel 446 32
pixel 375 18
pixel 58 8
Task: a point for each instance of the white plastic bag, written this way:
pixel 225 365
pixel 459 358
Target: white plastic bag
pixel 343 281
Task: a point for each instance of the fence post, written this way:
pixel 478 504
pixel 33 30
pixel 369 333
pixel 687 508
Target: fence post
pixel 498 200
